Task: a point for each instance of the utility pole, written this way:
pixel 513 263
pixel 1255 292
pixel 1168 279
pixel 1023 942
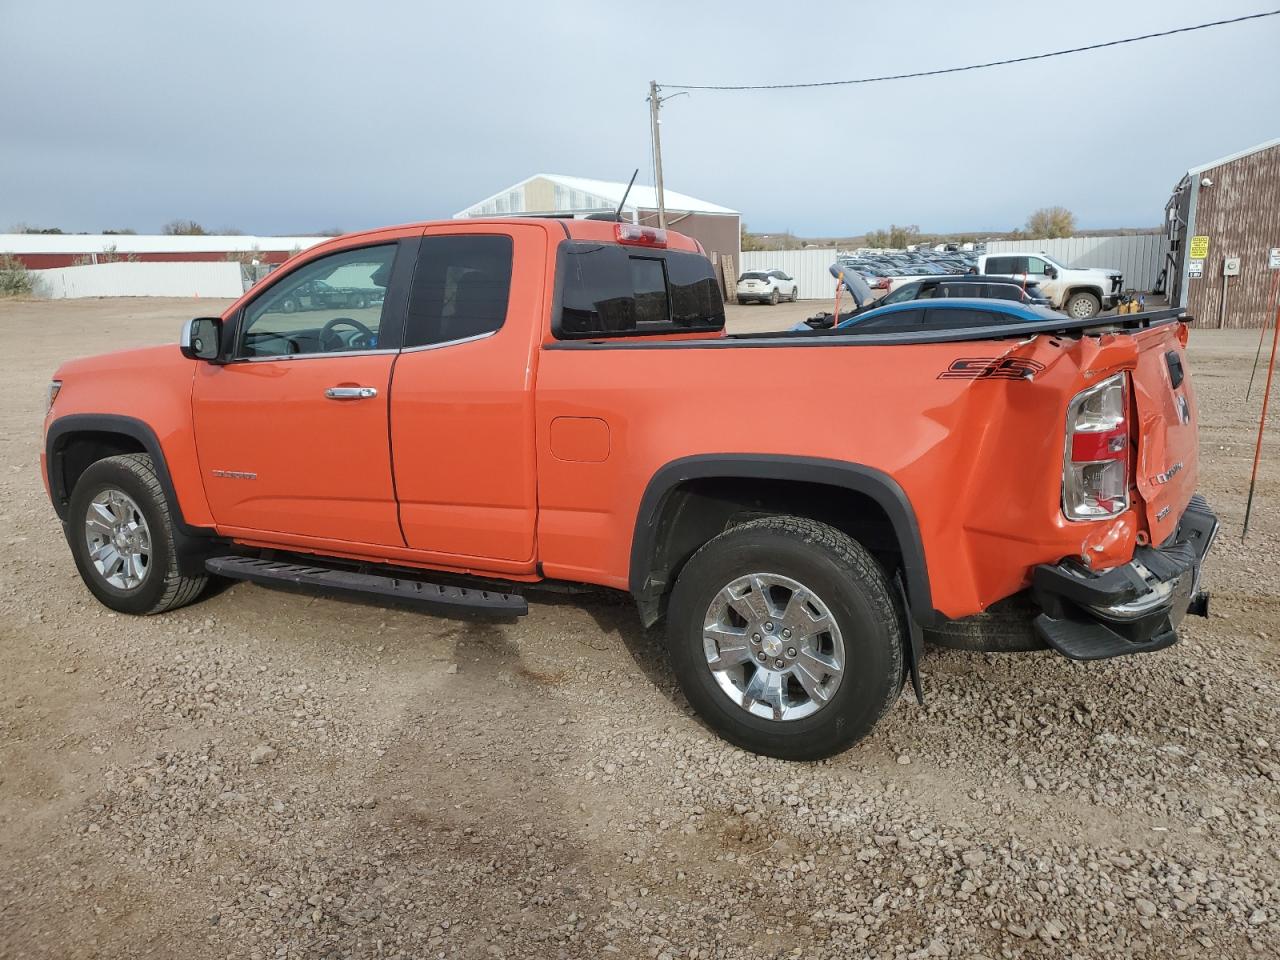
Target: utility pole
pixel 655 103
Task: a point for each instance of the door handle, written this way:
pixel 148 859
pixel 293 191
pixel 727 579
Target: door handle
pixel 351 393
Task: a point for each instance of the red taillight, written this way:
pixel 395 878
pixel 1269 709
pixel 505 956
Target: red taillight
pixel 640 236
pixel 1095 474
pixel 1111 445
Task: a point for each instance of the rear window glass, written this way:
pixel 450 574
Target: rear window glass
pixel 1001 265
pixel 997 291
pixel 608 289
pixel 649 281
pixel 461 286
pixel 754 276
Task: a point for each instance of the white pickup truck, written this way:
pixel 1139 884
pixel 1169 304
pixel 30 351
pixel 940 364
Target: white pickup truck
pixel 1081 293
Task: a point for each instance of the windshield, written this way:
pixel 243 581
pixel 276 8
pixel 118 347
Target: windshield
pixel 907 291
pixel 753 276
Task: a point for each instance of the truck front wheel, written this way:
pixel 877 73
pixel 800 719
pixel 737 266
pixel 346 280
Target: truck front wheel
pixel 1083 306
pixel 785 638
pixel 120 531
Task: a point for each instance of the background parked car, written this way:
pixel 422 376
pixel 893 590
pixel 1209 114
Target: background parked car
pixel 767 287
pixel 318 295
pixel 947 313
pixel 930 288
pixel 968 285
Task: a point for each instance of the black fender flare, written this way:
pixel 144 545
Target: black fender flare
pixel 193 542
pixel 868 481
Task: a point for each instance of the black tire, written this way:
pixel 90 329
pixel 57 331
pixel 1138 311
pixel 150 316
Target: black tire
pixel 742 302
pixel 795 293
pixel 1006 626
pixel 162 587
pixel 1084 300
pixel 289 305
pixel 774 298
pixel 855 589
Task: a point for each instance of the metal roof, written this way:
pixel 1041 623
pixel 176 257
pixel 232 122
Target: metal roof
pixel 1234 156
pixel 70 243
pixel 611 192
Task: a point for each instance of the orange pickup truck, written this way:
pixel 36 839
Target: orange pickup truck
pixel 555 402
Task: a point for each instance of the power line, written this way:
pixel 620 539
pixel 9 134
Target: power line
pixel 974 66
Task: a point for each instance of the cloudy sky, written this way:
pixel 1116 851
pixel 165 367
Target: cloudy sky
pixel 288 117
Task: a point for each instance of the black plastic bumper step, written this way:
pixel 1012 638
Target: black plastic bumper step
pixel 457 601
pixel 1082 639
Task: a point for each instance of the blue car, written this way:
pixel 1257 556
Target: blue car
pixel 946 313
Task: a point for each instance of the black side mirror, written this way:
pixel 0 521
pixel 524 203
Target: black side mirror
pixel 202 338
pixel 1051 273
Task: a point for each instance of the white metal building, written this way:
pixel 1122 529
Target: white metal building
pixel 717 228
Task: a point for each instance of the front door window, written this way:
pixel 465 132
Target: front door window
pixel 331 305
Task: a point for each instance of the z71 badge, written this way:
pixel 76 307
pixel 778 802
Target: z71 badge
pixel 992 368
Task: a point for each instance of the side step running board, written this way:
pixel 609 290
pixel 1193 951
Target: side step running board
pixel 449 600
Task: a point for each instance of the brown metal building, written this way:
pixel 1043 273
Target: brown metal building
pixel 1223 210
pixel 717 228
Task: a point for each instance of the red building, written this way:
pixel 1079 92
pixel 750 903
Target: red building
pixel 41 251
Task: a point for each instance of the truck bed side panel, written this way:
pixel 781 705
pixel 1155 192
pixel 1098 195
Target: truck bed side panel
pixel 979 454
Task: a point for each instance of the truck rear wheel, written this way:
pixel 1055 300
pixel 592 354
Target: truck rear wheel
pixel 785 638
pixel 1083 306
pixel 120 531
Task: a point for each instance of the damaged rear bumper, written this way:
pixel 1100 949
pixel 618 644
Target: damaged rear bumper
pixel 1134 608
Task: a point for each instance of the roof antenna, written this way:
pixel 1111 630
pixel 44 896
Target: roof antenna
pixel 617 214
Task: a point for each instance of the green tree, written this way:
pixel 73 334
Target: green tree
pixel 1051 223
pixel 14 279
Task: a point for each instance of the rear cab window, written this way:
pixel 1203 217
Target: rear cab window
pixel 461 288
pixel 611 290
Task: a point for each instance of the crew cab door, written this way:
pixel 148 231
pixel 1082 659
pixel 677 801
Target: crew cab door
pixel 291 432
pixel 462 415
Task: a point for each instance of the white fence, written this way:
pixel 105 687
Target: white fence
pixel 809 267
pixel 218 279
pixel 1140 258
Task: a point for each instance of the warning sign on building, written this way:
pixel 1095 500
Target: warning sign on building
pixel 1195 269
pixel 1199 248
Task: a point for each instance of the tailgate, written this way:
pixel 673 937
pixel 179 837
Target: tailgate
pixel 1168 435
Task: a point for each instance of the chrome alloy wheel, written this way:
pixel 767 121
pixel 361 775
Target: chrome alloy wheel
pixel 773 647
pixel 118 538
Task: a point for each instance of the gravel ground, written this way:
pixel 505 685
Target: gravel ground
pixel 269 774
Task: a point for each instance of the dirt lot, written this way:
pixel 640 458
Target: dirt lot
pixel 267 774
